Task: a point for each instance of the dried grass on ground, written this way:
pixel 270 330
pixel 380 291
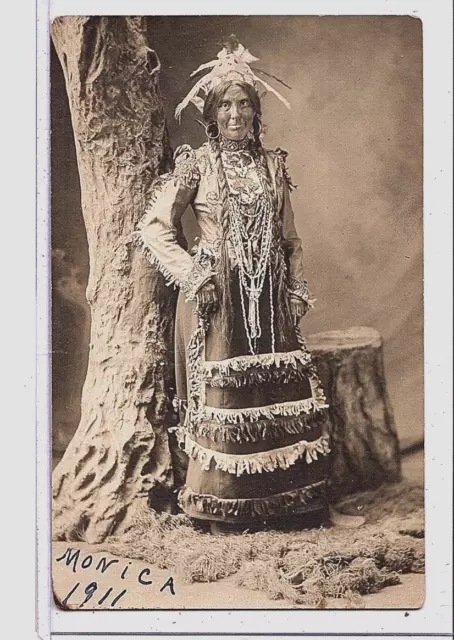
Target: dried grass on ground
pixel 305 567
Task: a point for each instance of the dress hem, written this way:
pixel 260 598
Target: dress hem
pixel 208 507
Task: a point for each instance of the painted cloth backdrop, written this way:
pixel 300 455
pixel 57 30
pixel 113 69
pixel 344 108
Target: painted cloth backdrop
pixel 354 137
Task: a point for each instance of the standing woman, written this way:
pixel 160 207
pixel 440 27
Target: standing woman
pixel 253 417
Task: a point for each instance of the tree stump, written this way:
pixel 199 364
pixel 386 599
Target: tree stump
pixel 365 447
pixel 120 451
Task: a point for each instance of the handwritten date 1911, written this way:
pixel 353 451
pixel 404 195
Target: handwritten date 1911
pixel 89 593
pixel 71 559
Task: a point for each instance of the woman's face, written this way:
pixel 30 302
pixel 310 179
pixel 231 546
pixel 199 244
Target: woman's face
pixel 235 114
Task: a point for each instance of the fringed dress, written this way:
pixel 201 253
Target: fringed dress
pixel 253 418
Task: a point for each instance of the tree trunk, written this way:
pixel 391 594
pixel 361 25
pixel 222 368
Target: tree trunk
pixel 365 444
pixel 120 450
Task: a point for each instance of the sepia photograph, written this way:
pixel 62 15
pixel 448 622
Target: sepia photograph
pixel 237 364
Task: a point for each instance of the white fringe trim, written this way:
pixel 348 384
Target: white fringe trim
pixel 317 391
pixel 139 242
pixel 243 363
pixel 235 464
pixel 247 508
pixel 293 408
pixel 260 431
pixel 179 404
pixel 198 276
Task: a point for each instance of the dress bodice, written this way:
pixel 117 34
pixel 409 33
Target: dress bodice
pixel 242 176
pixel 256 182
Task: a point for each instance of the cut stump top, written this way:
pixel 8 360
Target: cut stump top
pixel 348 339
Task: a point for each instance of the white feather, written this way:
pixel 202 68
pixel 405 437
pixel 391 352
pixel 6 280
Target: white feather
pixel 207 65
pixel 192 94
pixel 198 102
pixel 246 56
pixel 268 87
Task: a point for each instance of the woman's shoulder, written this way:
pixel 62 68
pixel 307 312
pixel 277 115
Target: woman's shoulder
pixel 279 158
pixel 186 152
pixel 277 154
pixel 186 163
pixel 191 158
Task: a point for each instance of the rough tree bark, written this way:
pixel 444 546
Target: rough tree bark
pixel 365 444
pixel 120 450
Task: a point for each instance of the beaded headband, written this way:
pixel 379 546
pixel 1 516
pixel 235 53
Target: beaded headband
pixel 232 63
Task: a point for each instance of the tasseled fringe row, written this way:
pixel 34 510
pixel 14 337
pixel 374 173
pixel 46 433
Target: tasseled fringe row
pixel 259 462
pixel 180 405
pixel 317 391
pixel 195 350
pixel 252 508
pixel 139 243
pixel 259 376
pixel 252 414
pixel 242 363
pixel 266 430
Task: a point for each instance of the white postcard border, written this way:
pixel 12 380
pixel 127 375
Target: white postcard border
pixel 435 617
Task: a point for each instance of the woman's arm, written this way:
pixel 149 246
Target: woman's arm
pixel 293 245
pixel 156 233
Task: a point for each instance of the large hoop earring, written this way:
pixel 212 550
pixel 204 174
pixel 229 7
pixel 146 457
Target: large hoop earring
pixel 212 131
pixel 256 127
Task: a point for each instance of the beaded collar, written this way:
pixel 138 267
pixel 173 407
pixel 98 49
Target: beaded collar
pixel 227 144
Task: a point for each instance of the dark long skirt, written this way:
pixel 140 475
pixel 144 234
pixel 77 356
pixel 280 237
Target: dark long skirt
pixel 254 427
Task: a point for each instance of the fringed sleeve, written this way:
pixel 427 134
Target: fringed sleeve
pixel 297 283
pixel 156 233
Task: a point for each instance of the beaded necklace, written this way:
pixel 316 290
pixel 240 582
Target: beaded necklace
pixel 251 234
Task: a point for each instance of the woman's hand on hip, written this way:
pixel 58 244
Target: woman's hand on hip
pixel 207 298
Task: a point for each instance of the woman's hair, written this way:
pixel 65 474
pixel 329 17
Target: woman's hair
pixel 212 102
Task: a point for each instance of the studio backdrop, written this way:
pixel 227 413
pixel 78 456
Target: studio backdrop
pixel 354 138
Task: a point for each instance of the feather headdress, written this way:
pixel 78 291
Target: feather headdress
pixel 232 63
